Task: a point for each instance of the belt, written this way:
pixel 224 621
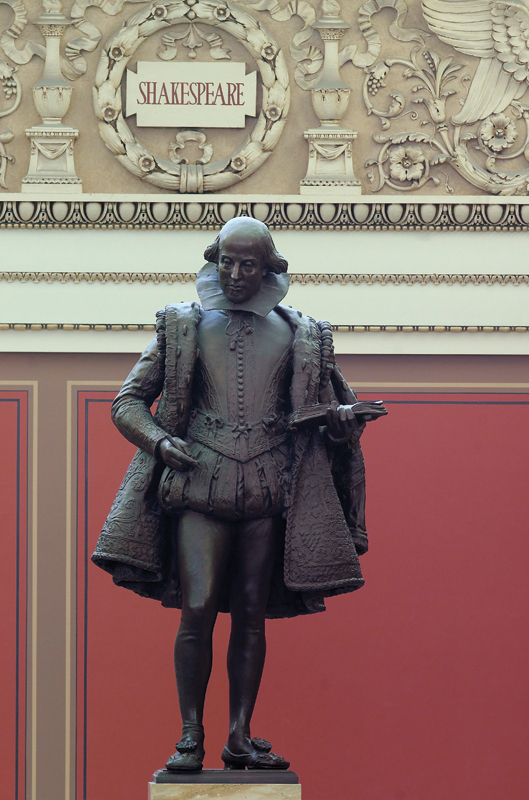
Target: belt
pixel 240 442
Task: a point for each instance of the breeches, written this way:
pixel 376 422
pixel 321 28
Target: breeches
pixel 213 554
pixel 226 488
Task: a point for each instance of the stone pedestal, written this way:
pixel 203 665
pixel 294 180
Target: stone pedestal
pixel 51 165
pixel 213 784
pixel 330 169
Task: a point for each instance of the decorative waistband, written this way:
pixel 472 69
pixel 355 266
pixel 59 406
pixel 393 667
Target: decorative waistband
pixel 241 442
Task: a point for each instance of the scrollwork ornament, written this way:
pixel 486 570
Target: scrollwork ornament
pixel 372 38
pixel 134 156
pixel 9 37
pixel 487 140
pixel 309 59
pixel 494 138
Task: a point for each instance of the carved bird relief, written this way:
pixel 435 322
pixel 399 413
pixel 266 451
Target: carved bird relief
pixel 495 32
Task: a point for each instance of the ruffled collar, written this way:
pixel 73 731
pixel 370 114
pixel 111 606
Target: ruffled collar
pixel 273 289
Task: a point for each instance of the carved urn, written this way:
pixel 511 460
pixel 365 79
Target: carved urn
pixel 51 163
pixel 330 96
pixel 330 169
pixel 52 93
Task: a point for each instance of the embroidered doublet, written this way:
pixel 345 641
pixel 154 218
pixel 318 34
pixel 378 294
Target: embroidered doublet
pixel 237 430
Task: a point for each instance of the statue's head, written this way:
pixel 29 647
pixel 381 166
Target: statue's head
pixel 244 252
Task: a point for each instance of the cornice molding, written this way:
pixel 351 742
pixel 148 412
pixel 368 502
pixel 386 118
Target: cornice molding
pixel 304 278
pixel 103 328
pixel 294 213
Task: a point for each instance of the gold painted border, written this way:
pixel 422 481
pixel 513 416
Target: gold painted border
pixel 32 586
pixel 293 212
pixel 72 387
pixel 109 327
pixel 408 279
pixel 446 386
pixel 385 388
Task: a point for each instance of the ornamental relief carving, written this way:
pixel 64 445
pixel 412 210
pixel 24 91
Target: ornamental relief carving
pixel 385 97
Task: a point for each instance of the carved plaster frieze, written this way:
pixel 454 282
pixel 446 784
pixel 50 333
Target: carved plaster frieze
pixel 430 96
pixel 102 328
pixel 304 278
pixel 168 214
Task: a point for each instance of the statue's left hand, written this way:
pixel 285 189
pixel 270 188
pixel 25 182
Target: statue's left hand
pixel 341 422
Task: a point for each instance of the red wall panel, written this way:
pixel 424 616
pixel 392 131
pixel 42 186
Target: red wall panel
pixel 414 687
pixel 13 528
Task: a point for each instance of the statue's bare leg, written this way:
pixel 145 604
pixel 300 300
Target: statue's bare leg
pixel 255 550
pixel 203 554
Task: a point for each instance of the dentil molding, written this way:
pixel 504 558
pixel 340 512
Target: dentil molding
pixel 294 213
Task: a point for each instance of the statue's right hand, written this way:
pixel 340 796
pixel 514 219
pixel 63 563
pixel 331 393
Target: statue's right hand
pixel 175 453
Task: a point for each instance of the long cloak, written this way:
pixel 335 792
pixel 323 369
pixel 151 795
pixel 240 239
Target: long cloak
pixel 324 529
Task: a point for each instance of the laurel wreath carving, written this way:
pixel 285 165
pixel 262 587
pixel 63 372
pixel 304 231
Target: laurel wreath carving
pixel 137 158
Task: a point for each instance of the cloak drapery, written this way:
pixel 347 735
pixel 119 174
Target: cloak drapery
pixel 324 529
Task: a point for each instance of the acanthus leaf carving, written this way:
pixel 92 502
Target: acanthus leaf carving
pixel 494 154
pixel 191 38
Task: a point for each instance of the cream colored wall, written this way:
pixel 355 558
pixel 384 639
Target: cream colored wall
pixel 347 253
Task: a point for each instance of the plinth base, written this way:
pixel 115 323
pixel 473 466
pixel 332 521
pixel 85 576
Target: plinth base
pixel 51 165
pixel 330 169
pixel 213 784
pixel 330 187
pixel 51 186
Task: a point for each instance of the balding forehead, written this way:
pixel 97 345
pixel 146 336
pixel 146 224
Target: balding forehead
pixel 245 225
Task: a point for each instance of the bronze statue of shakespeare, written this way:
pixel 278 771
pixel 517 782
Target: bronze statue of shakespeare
pixel 240 498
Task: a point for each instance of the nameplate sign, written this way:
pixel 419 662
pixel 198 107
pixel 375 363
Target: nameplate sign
pixel 204 95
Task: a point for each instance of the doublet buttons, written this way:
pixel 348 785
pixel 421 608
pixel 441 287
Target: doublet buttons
pixel 238 328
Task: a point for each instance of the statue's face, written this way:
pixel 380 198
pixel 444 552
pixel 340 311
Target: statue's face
pixel 241 267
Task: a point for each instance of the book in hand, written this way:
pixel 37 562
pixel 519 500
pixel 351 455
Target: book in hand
pixel 310 416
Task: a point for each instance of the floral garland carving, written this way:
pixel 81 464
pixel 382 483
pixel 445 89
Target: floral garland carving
pixel 134 156
pixel 10 86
